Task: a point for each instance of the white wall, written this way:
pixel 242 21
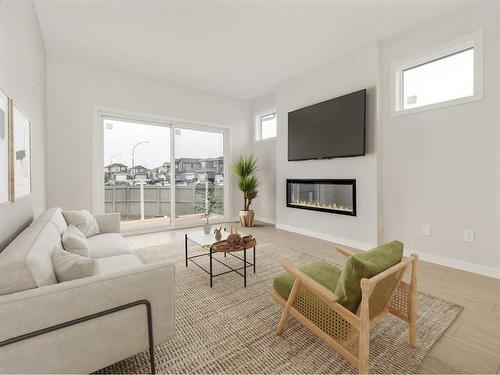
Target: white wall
pixel 350 73
pixel 441 167
pixel 265 152
pixel 22 77
pixel 75 90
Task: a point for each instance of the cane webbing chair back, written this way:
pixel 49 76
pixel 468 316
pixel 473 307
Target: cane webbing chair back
pixel 326 319
pixel 383 292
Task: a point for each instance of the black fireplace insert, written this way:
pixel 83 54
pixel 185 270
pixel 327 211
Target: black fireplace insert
pixel 335 196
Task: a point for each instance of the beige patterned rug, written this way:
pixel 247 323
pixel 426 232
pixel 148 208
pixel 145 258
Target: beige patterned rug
pixel 230 329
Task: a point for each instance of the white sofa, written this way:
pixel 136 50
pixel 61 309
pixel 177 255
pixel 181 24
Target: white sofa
pixel 32 300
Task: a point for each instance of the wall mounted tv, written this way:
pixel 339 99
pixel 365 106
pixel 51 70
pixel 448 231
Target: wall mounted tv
pixel 331 129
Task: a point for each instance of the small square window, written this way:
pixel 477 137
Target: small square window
pixel 267 126
pixel 447 76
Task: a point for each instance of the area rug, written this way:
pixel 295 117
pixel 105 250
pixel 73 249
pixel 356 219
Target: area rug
pixel 230 329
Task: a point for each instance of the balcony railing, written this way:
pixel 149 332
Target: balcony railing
pixel 189 200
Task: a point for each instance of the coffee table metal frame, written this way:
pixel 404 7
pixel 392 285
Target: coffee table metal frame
pixel 211 256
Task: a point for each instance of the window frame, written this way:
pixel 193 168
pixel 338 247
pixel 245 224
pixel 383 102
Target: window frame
pixel 473 40
pixel 258 124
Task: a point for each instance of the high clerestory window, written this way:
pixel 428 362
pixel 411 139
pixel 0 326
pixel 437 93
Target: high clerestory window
pixel 448 75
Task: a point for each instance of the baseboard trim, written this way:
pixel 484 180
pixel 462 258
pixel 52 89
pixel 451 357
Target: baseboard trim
pixel 326 237
pixel 456 264
pixel 265 220
pixel 426 257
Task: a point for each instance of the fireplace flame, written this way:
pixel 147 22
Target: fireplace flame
pixel 329 206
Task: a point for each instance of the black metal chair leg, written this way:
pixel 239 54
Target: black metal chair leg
pixel 150 336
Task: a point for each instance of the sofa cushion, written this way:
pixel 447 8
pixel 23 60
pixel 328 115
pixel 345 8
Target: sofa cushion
pixel 53 215
pixel 83 220
pixel 26 263
pixel 107 245
pixel 75 242
pixel 117 263
pixel 365 265
pixel 68 266
pixel 324 273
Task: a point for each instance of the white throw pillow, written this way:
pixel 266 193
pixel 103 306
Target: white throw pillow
pixel 75 242
pixel 69 266
pixel 83 220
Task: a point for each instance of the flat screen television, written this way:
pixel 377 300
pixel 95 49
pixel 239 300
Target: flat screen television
pixel 331 129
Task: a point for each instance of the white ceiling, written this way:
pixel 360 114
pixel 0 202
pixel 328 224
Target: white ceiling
pixel 236 48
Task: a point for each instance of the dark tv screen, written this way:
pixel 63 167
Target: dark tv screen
pixel 330 129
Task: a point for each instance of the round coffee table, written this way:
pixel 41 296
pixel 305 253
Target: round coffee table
pixel 206 242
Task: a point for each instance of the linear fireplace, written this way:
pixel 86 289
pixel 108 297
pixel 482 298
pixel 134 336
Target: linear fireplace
pixel 335 196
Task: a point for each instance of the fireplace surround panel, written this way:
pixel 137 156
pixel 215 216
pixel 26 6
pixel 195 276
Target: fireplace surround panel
pixel 332 195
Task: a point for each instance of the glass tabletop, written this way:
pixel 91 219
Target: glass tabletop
pixel 204 240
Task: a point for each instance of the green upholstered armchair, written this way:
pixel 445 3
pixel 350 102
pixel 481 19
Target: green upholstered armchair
pixel 339 306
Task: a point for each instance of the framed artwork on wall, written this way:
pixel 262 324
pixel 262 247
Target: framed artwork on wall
pixel 4 149
pixel 21 154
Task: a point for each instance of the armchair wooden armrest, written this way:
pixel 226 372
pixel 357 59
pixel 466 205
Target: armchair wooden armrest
pixel 315 287
pixel 344 251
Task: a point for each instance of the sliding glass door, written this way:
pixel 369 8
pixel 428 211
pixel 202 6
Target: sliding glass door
pixel 137 160
pixel 199 174
pixel 149 165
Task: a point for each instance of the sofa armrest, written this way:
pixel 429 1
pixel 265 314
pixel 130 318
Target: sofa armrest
pixel 42 307
pixel 109 223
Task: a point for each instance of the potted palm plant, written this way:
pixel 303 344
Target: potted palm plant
pixel 244 169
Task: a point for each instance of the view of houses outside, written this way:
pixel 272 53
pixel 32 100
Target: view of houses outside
pixel 136 154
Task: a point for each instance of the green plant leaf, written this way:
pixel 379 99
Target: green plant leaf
pixel 244 168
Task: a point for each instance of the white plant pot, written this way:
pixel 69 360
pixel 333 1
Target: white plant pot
pixel 207 228
pixel 246 218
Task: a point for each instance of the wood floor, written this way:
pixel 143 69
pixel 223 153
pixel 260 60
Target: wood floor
pixel 471 344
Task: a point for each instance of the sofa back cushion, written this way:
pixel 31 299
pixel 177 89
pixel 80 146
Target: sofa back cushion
pixel 55 216
pixel 84 221
pixel 26 263
pixel 365 265
pixel 69 266
pixel 75 241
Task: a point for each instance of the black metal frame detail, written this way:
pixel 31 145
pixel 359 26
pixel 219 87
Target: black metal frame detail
pixel 90 317
pixel 211 253
pixel 350 182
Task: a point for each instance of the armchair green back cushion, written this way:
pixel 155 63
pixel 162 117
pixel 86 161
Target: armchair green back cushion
pixel 365 265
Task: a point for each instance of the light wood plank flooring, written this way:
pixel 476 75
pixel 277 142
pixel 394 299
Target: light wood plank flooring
pixel 471 344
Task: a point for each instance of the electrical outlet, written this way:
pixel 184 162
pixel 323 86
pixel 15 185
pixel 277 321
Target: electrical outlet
pixel 426 230
pixel 469 235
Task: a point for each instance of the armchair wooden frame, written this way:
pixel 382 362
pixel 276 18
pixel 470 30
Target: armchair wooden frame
pixel 349 334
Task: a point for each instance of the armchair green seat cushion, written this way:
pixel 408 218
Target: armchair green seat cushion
pixel 346 283
pixel 365 265
pixel 323 273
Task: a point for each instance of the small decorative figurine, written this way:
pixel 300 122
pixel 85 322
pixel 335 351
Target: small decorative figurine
pixel 218 234
pixel 233 240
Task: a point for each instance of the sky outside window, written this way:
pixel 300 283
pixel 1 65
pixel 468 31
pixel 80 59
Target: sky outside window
pixel 448 78
pixel 120 138
pixel 268 126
